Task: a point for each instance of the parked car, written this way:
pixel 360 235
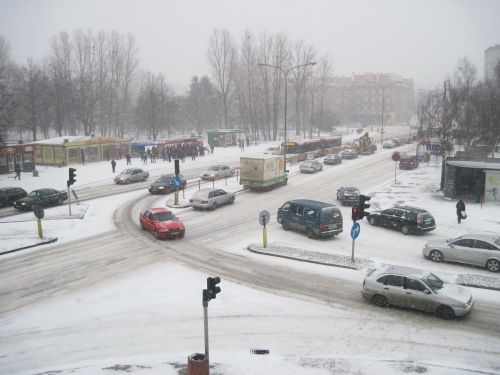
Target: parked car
pixel 131 175
pixel 348 195
pixel 162 222
pixel 397 141
pixel 408 162
pixel 273 151
pixel 388 144
pixel 164 185
pixel 43 197
pixel 476 249
pixel 310 166
pixel 332 159
pixel 210 198
pixel 404 218
pixel 414 288
pixel 317 219
pixel 349 153
pixel 217 171
pixel 8 195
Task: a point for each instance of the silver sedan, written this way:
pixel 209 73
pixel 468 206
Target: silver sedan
pixel 131 175
pixel 211 198
pixel 416 289
pixel 476 249
pixel 311 166
pixel 217 171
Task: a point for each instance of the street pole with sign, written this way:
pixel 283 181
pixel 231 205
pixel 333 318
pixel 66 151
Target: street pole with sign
pixel 263 220
pixel 38 211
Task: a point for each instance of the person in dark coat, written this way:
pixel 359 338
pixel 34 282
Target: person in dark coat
pixel 113 164
pixel 17 169
pixel 460 208
pixel 128 159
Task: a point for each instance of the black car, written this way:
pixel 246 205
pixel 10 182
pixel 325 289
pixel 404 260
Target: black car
pixel 10 194
pixel 163 185
pixel 332 159
pixel 348 195
pixel 408 162
pixel 404 218
pixel 43 197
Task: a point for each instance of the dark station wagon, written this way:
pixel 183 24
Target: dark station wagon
pixel 407 219
pixel 9 195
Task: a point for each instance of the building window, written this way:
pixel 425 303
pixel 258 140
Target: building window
pixel 358 91
pixel 380 91
pixel 380 107
pixel 374 91
pixel 380 99
pixel 338 101
pixel 365 99
pixel 366 91
pixel 365 107
pixel 373 107
pixel 339 92
pixel 346 93
pixel 346 100
pixel 387 107
pixel 373 99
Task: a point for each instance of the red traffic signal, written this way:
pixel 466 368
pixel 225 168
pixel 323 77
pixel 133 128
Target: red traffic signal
pixel 354 213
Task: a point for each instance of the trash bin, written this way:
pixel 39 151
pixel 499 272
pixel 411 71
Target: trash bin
pixel 35 173
pixel 197 364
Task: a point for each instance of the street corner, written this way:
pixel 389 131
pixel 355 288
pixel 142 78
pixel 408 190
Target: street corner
pixel 181 203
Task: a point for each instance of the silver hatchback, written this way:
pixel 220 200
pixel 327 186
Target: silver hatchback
pixel 414 288
pixel 210 198
pixel 476 249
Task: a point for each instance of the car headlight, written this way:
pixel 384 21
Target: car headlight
pixel 164 231
pixel 23 204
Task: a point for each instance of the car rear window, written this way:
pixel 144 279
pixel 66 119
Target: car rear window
pixel 331 213
pixel 200 195
pixel 426 215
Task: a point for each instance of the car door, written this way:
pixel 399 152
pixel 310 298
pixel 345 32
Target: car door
pixel 52 197
pixel 458 251
pixel 221 197
pixel 394 291
pixel 398 219
pixel 481 251
pixel 418 296
pixel 311 217
pixel 386 217
pixel 296 217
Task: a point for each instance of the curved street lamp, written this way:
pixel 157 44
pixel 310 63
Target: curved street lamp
pixel 285 72
pixel 383 106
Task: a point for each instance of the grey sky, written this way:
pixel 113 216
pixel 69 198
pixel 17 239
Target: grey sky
pixel 422 39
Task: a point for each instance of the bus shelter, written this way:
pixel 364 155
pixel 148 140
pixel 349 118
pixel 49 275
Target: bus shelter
pixel 224 137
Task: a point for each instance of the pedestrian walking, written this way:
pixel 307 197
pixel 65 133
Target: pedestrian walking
pixel 83 158
pixel 211 149
pixel 107 155
pixel 17 169
pixel 460 210
pixel 129 162
pixel 119 154
pixel 113 164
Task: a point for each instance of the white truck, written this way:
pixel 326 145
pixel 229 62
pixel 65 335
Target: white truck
pixel 262 172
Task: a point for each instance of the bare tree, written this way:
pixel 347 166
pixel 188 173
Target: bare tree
pixel 6 89
pixel 465 78
pixel 154 105
pixel 201 104
pixel 222 58
pixel 60 87
pixel 301 54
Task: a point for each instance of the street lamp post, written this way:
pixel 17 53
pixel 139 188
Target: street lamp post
pixel 285 72
pixel 383 106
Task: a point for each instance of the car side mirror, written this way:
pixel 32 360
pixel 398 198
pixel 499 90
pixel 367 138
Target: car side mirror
pixel 427 291
pixel 452 246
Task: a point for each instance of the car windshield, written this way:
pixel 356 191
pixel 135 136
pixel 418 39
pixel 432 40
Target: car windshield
pixel 164 216
pixel 164 179
pixel 127 171
pixel 497 242
pixel 433 282
pixel 214 169
pixel 307 163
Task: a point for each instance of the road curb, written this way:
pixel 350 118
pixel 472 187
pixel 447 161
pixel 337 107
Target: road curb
pixel 49 240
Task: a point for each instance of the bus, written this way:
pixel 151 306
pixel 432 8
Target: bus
pixel 316 147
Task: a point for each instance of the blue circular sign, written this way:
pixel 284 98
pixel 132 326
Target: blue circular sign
pixel 356 228
pixel 176 182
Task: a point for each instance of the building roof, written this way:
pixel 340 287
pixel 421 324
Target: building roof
pixel 60 140
pixel 474 164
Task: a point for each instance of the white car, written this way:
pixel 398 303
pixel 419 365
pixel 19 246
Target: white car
pixel 211 198
pixel 131 175
pixel 389 144
pixel 310 166
pixel 217 171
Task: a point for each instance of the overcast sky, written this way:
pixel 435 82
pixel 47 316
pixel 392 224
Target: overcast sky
pixel 421 39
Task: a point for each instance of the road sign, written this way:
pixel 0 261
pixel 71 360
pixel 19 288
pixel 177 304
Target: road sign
pixel 264 217
pixel 396 156
pixel 176 182
pixel 38 211
pixel 355 230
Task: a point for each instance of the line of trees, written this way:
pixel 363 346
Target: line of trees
pixel 90 83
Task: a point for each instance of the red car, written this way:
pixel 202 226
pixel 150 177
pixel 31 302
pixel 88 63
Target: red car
pixel 162 222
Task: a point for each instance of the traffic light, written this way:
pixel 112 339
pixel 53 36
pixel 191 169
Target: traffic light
pixel 354 214
pixel 363 199
pixel 72 176
pixel 212 288
pixel 177 170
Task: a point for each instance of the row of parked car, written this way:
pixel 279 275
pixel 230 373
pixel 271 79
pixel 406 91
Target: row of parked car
pixel 18 198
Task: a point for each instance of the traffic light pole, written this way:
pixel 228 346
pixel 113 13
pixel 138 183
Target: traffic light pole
pixel 205 317
pixel 69 201
pixel 352 255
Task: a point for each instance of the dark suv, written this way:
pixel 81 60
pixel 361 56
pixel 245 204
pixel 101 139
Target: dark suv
pixel 408 162
pixel 10 194
pixel 404 218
